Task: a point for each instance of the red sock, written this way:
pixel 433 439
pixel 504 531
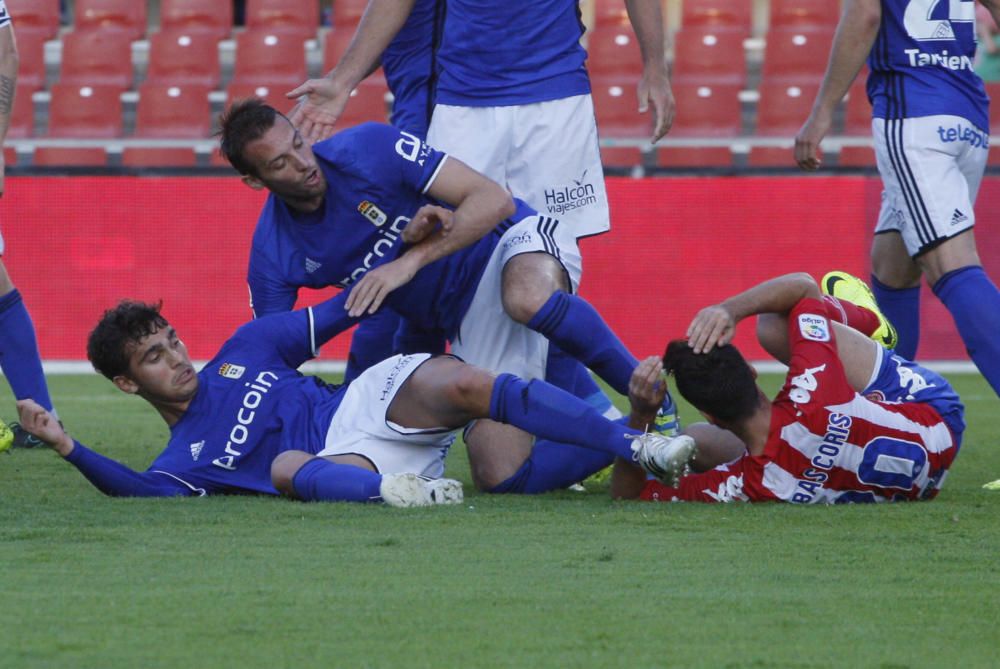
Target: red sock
pixel 861 319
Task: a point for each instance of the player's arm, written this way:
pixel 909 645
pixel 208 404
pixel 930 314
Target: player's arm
pixel 268 293
pixel 654 86
pixel 480 205
pixel 715 325
pixel 8 79
pixel 110 477
pixel 323 100
pixel 856 32
pixel 994 7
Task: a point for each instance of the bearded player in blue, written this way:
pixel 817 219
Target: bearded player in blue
pixel 336 216
pixel 248 422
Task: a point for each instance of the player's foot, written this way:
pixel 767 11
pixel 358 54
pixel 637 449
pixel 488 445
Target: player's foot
pixel 845 286
pixel 667 421
pixel 413 490
pixel 666 458
pixel 22 438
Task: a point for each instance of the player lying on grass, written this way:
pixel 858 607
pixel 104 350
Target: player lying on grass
pixel 501 290
pixel 250 423
pixel 852 423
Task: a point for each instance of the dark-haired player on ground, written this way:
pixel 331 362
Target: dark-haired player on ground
pixel 248 422
pixel 852 423
pixel 500 290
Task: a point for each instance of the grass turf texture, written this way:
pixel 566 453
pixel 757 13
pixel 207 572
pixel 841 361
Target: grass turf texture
pixel 555 580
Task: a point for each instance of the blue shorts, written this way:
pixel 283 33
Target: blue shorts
pixel 901 380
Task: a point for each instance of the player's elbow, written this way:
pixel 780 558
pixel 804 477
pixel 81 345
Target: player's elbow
pixel 504 203
pixel 866 14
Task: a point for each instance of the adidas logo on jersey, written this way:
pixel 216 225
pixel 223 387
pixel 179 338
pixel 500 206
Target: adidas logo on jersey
pixel 958 217
pixel 312 265
pixel 196 449
pixel 231 371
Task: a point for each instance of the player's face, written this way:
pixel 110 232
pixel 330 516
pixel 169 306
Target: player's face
pixel 286 165
pixel 160 369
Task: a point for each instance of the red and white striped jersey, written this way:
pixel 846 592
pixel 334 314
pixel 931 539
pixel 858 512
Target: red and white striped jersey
pixel 827 443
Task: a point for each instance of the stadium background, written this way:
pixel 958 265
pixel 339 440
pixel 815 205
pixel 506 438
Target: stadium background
pixel 114 188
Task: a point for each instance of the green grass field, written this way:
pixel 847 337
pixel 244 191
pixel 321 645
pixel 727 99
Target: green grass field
pixel 558 580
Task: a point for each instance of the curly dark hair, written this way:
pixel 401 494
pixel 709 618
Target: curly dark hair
pixel 245 121
pixel 118 332
pixel 719 382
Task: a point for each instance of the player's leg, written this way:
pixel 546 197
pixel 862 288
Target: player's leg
pixel 19 357
pixel 896 285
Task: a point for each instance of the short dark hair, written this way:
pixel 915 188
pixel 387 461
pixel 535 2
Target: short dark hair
pixel 719 382
pixel 245 121
pixel 119 331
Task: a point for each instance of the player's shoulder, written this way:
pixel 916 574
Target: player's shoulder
pixel 355 141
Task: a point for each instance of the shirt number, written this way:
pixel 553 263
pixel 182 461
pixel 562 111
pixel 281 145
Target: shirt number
pixel 921 27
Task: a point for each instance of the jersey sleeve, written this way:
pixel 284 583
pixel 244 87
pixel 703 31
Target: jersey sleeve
pixel 116 480
pixel 725 483
pixel 393 157
pixel 269 293
pixel 816 375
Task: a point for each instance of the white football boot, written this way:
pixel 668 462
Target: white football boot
pixel 407 490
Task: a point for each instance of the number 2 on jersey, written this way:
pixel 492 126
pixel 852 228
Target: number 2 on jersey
pixel 920 26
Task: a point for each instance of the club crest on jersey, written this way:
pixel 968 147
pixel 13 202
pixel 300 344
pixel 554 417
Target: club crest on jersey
pixel 231 371
pixel 372 213
pixel 813 327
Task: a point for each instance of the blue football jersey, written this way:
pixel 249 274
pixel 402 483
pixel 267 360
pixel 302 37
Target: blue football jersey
pixel 376 177
pixel 409 63
pixel 921 62
pixel 511 53
pixel 251 405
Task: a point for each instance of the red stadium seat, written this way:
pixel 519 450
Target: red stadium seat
pixel 993 90
pixel 334 47
pixel 611 14
pixel 367 103
pixel 707 111
pixel 796 55
pixel 771 156
pixel 709 56
pixel 857 156
pixel 857 110
pixel 294 16
pixel 347 13
pixel 97 58
pixel 159 157
pixel 85 112
pixel 173 112
pixel 783 108
pixel 614 51
pixel 9 156
pixel 181 58
pixel 211 17
pixel 127 16
pixel 31 58
pixel 993 158
pixel 270 91
pixel 37 16
pixel 22 117
pixel 67 157
pixel 616 108
pixel 271 56
pixel 730 13
pixel 694 156
pixel 801 13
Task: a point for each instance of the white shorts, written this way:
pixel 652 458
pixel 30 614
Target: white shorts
pixel 545 153
pixel 361 424
pixel 487 336
pixel 931 169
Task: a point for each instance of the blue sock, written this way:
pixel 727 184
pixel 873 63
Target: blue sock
pixel 320 480
pixel 974 303
pixel 568 373
pixel 19 358
pixel 550 413
pixel 579 330
pixel 902 307
pixel 552 466
pixel 371 343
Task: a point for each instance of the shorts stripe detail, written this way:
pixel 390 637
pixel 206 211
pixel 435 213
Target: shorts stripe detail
pixel 312 331
pixel 546 229
pixel 904 173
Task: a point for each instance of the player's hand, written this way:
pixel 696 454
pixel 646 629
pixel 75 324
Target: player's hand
pixel 807 151
pixel 646 390
pixel 428 219
pixel 41 423
pixel 654 88
pixel 321 102
pixel 712 326
pixel 370 292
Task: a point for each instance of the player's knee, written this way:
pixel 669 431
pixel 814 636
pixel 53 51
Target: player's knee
pixel 529 280
pixel 469 389
pixel 285 467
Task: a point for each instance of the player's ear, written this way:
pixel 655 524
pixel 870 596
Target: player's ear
pixel 253 181
pixel 709 417
pixel 125 384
